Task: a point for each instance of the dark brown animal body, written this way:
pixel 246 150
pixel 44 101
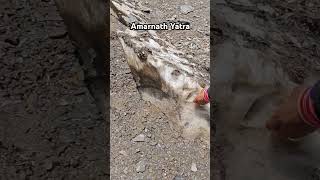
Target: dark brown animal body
pixel 87 22
pixel 87 25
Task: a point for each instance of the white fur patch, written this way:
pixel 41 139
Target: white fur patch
pixel 178 82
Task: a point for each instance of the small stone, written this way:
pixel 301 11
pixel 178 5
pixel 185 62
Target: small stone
pixel 139 138
pixel 178 178
pixel 48 165
pixel 137 151
pixel 194 167
pixel 184 21
pixel 185 9
pixel 131 18
pixel 63 102
pixel 146 10
pixel 193 46
pixel 189 56
pixel 148 156
pixel 174 17
pixel 123 153
pixel 141 166
pixel 125 171
pixel 153 143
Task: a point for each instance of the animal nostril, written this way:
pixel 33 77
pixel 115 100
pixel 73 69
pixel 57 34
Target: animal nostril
pixel 175 72
pixel 186 124
pixel 143 56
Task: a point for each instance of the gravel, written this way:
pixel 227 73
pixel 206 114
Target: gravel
pixel 194 167
pixel 167 154
pixel 48 117
pixel 141 166
pixel 139 138
pixel 185 9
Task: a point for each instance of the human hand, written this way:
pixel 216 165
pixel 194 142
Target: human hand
pixel 201 98
pixel 286 120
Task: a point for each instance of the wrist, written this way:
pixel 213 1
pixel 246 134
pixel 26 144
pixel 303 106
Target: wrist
pixel 307 110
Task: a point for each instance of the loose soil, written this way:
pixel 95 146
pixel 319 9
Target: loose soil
pixel 50 127
pixel 164 153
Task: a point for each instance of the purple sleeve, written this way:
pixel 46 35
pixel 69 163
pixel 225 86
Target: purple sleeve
pixel 315 96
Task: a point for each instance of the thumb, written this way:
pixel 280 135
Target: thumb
pixel 198 98
pixel 273 124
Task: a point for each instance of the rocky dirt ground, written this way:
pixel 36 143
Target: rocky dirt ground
pixel 145 143
pixel 289 28
pixel 50 127
pixel 289 31
pixel 49 124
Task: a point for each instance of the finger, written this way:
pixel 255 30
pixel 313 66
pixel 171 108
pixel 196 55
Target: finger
pixel 197 100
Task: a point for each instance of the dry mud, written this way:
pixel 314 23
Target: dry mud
pixel 50 127
pixel 262 50
pixel 163 153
